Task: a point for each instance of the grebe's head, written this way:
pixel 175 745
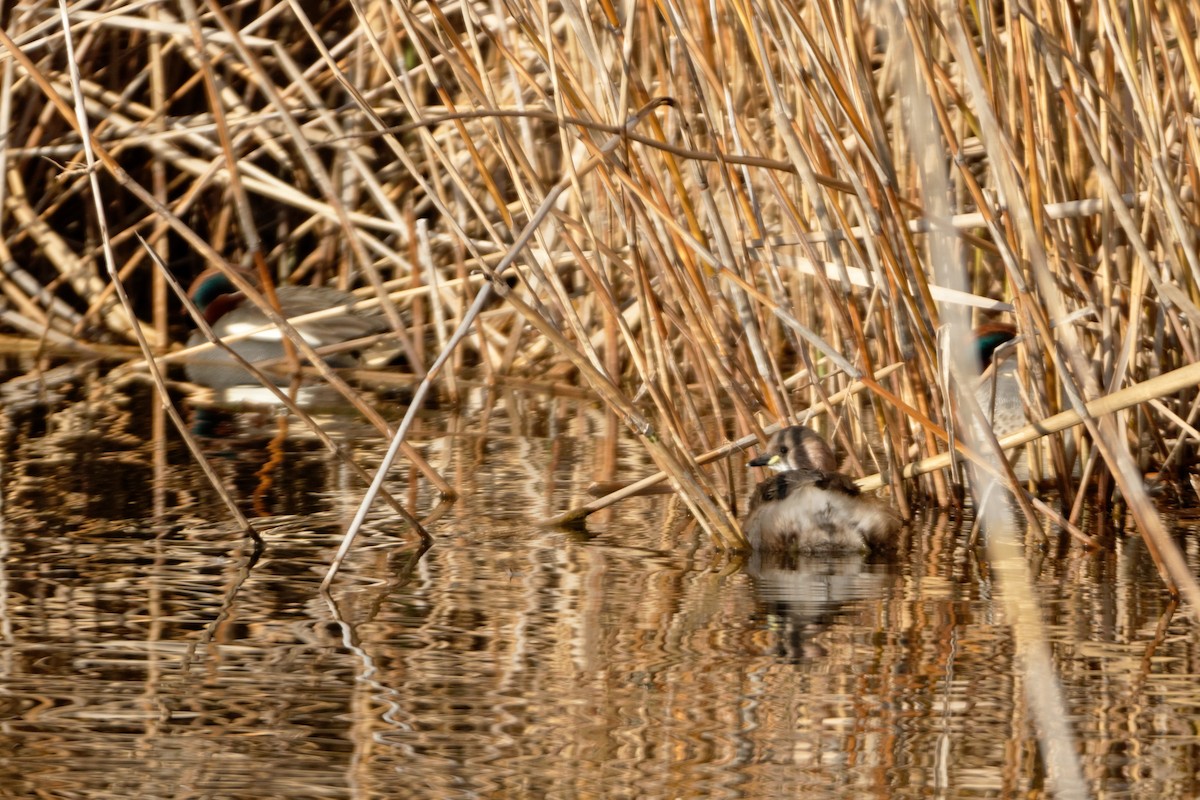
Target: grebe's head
pixel 796 447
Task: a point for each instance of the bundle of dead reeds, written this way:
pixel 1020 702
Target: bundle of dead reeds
pixel 717 215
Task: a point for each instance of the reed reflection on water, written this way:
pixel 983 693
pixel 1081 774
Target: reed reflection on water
pixel 142 659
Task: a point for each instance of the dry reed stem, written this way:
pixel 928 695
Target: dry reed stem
pixel 1043 690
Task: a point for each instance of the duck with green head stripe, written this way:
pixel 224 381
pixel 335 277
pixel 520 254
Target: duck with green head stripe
pixel 227 313
pixel 998 390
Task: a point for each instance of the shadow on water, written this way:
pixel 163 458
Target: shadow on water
pixel 142 658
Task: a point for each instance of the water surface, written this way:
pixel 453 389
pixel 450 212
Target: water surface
pixel 140 656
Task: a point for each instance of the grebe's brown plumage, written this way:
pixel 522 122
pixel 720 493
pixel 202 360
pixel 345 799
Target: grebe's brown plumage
pixel 809 507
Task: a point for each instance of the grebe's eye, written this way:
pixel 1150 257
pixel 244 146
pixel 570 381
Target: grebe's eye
pixel 783 449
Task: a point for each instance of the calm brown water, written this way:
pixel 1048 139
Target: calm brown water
pixel 140 658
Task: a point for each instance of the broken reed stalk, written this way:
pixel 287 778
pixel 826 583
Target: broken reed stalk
pixel 772 214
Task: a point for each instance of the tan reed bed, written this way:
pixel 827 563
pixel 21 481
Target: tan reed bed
pixel 742 203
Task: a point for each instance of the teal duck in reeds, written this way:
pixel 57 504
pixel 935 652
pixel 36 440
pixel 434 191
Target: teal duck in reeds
pixel 1000 395
pixel 226 311
pixel 999 389
pixel 807 506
